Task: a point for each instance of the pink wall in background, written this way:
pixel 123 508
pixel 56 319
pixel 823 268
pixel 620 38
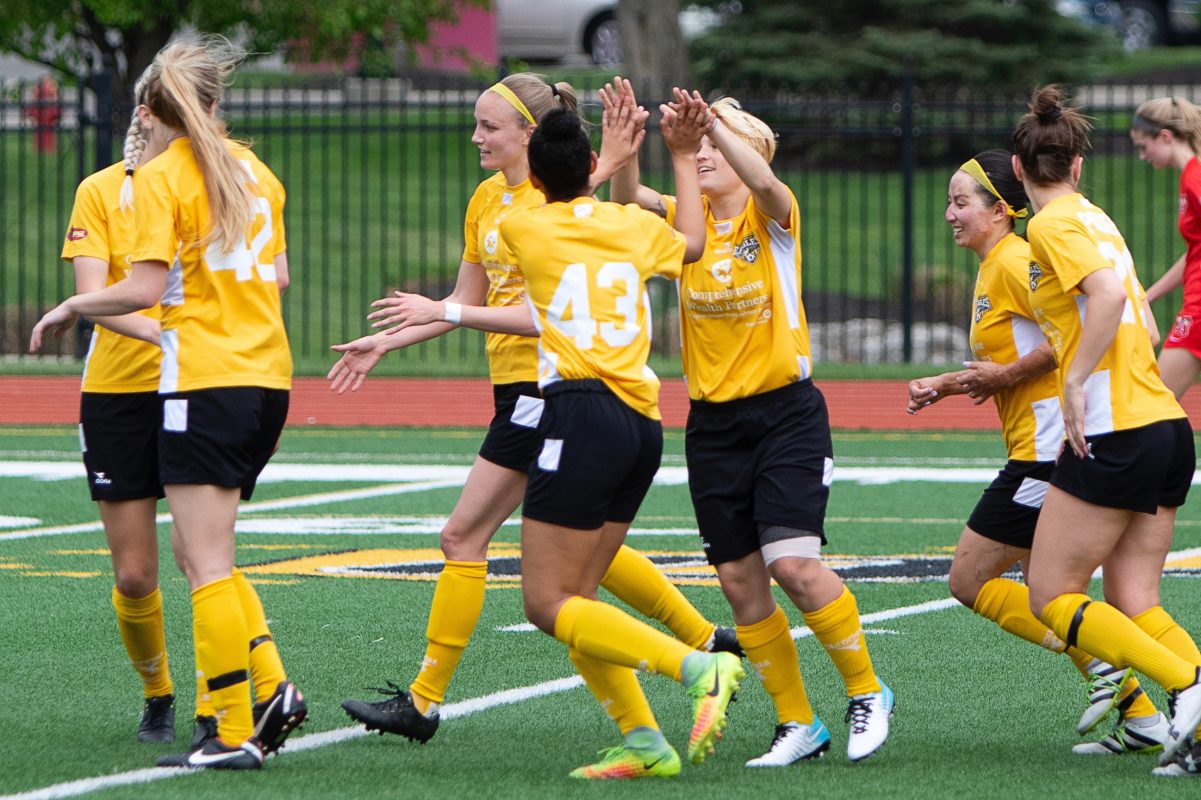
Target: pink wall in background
pixel 454 47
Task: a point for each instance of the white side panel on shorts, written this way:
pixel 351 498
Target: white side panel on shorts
pixel 168 379
pixel 552 451
pixel 1031 493
pixel 528 411
pixel 783 253
pixel 1026 335
pixel 1048 428
pixel 1098 410
pixel 827 471
pixel 175 414
pixel 83 443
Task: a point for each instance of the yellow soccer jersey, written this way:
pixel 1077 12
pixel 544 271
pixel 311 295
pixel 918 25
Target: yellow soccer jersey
pixel 115 364
pixel 586 264
pixel 510 358
pixel 1070 238
pixel 1003 330
pixel 222 324
pixel 743 327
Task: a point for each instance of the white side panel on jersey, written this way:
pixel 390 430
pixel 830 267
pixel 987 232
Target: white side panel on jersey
pixel 783 253
pixel 173 292
pixel 1081 306
pixel 548 367
pixel 88 358
pixel 805 366
pixel 168 379
pixel 1026 335
pixel 1098 410
pixel 528 411
pixel 1048 428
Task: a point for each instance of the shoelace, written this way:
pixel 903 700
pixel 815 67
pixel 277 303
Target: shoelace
pixel 394 692
pixel 859 712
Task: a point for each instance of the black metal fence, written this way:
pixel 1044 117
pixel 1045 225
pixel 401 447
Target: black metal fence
pixel 378 175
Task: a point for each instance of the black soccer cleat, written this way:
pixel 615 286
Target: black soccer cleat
pixel 216 754
pixel 158 720
pixel 397 714
pixel 725 640
pixel 203 729
pixel 276 717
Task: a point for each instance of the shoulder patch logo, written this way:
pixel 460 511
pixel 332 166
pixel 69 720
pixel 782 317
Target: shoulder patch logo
pixel 983 305
pixel 75 234
pixel 1036 274
pixel 747 250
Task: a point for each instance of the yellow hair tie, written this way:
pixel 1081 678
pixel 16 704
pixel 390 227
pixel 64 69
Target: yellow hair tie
pixel 514 100
pixel 976 171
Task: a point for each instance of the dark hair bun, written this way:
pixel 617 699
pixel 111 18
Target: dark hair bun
pixel 560 125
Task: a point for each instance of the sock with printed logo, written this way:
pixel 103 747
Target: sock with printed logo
pixel 607 633
pixel 219 634
pixel 837 627
pixel 617 690
pixel 636 581
pixel 455 610
pixel 140 621
pixel 769 647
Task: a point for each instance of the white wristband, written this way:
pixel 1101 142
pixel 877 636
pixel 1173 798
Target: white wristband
pixel 452 312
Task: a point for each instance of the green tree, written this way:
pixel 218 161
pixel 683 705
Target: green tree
pixel 970 44
pixel 121 37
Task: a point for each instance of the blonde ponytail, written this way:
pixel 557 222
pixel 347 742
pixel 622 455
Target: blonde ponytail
pixel 136 139
pixel 183 92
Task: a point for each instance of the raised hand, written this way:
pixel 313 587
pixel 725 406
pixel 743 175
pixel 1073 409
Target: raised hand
pixel 685 121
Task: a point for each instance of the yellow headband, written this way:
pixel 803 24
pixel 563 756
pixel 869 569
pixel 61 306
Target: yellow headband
pixel 976 171
pixel 514 100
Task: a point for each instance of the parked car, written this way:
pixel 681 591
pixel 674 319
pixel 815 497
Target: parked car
pixel 537 30
pixel 1149 23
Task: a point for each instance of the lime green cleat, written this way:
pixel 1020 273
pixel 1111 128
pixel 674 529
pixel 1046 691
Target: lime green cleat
pixel 629 760
pixel 711 680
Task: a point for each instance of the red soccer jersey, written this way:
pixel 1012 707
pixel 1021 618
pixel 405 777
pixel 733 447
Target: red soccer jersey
pixel 1190 229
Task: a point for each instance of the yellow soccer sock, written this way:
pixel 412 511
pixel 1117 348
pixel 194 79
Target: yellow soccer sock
pixel 616 689
pixel 1160 626
pixel 1110 635
pixel 204 702
pixel 769 647
pixel 140 621
pixel 837 627
pixel 266 667
pixel 1007 603
pixel 609 634
pixel 455 610
pixel 219 631
pixel 636 581
pixel 1080 659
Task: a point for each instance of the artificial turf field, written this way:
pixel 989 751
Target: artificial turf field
pixel 341 541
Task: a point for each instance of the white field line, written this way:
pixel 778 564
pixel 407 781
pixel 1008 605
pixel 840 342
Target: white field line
pixel 465 708
pixel 250 508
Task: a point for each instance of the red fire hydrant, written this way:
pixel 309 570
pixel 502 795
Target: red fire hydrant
pixel 45 112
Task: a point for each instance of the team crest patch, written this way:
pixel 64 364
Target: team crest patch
pixel 75 234
pixel 983 305
pixel 1036 275
pixel 747 250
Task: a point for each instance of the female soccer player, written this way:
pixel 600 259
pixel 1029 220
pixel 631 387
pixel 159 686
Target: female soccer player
pixel 210 243
pixel 119 416
pixel 1130 459
pixel 758 446
pixel 506 117
pixel 1013 363
pixel 1167 132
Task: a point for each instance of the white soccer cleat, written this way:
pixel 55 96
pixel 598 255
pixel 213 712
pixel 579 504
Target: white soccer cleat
pixel 1105 683
pixel 1186 763
pixel 868 716
pixel 1128 738
pixel 1186 705
pixel 794 742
